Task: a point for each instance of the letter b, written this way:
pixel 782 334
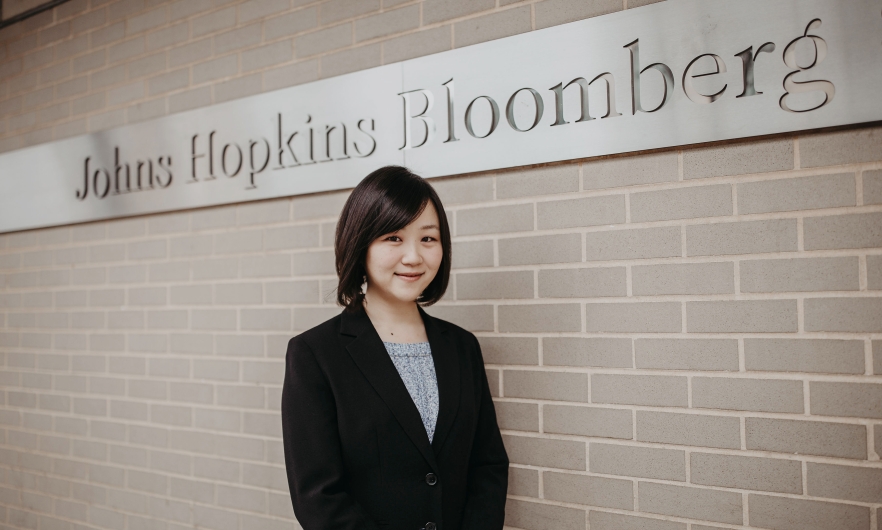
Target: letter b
pixel 636 72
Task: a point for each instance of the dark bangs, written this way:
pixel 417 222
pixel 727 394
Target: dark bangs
pixel 387 200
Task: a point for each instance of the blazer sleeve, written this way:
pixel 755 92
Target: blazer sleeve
pixel 488 464
pixel 313 456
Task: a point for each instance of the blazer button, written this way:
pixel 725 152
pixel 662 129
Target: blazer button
pixel 430 526
pixel 431 480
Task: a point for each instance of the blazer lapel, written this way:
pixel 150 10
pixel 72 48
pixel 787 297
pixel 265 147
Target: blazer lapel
pixel 446 361
pixel 371 357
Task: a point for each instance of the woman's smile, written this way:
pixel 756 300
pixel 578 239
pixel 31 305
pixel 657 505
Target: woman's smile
pixel 409 276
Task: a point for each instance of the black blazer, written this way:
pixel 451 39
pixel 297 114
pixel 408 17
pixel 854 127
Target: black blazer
pixel 356 450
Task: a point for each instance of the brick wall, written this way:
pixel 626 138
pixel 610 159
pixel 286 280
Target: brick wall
pixel 681 340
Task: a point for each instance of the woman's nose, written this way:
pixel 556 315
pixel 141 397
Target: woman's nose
pixel 412 255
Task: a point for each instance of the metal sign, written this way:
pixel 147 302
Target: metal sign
pixel 675 73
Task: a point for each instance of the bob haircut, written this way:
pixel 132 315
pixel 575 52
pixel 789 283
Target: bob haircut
pixel 386 201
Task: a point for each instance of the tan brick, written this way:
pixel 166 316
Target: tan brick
pixel 838 148
pixel 746 472
pixel 582 283
pixel 539 318
pixel 306 318
pixel 650 390
pixel 633 244
pixel 843 314
pixel 493 26
pixel 554 386
pixel 641 317
pixel 595 351
pixel 760 395
pixel 588 490
pixel 691 503
pixel 184 8
pixel 742 316
pixel 687 354
pixel 555 12
pixel 238 38
pixel 829 356
pixel 309 263
pixel 783 513
pixel 387 23
pixel 468 254
pixel 254 9
pixel 189 99
pixel 561 248
pixel 190 52
pixel 856 400
pixel 304 292
pixel 738 159
pixel 90 20
pixel 462 190
pixel 268 55
pixel 874 272
pixel 215 69
pixel 171 35
pixel 723 432
pixel 239 293
pixel 517 416
pixel 523 482
pixel 632 170
pixel 147 20
pixel 351 60
pixel 805 193
pixel 290 23
pixel 814 274
pixel 107 35
pixel 687 278
pixel 872 186
pixel 470 317
pixel 161 84
pixel 877 358
pixel 441 10
pixel 840 440
pixel 747 237
pixel 225 18
pixel 237 88
pixel 510 350
pixel 511 218
pixel 877 430
pixel 622 460
pixel 560 454
pixel 615 521
pixel 593 211
pixel 417 44
pixel 843 231
pixel 323 40
pixel 543 180
pixel 684 203
pixel 290 75
pixel 336 10
pixel 536 516
pixel 587 421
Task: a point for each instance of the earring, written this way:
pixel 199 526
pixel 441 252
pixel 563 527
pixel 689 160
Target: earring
pixel 364 286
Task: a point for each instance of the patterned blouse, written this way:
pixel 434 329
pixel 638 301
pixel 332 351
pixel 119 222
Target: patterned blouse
pixel 414 363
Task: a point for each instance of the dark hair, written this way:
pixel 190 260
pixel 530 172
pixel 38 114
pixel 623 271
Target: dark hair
pixel 387 200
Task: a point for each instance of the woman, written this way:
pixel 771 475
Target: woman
pixel 386 414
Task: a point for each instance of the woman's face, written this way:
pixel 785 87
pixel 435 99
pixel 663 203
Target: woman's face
pixel 400 265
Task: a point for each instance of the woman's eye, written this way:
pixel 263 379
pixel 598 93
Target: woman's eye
pixel 429 238
pixel 393 238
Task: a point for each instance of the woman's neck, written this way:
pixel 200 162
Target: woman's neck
pixel 395 321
